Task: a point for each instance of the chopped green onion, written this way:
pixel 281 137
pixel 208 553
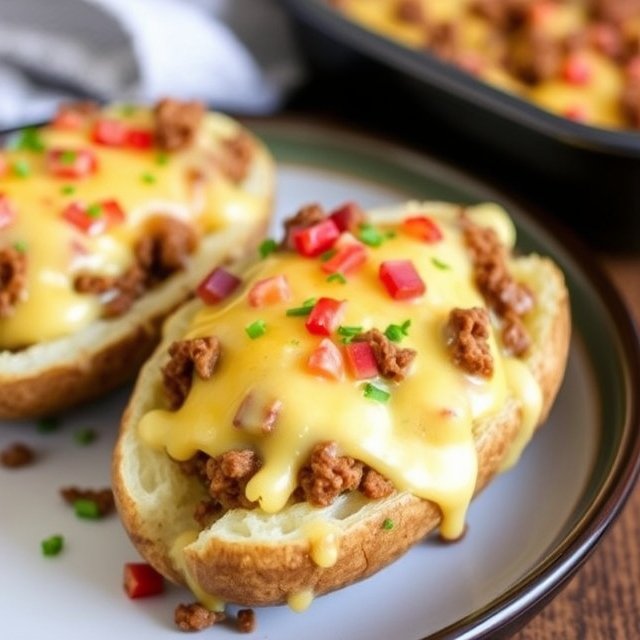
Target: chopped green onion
pixel 48 424
pixel 68 190
pixel 29 139
pixel 94 210
pixel 52 545
pixel 21 168
pixel 148 178
pixel 267 246
pixel 327 255
pixel 440 264
pixel 348 333
pixel 387 525
pixel 395 332
pixel 86 509
pixel 391 234
pixel 20 246
pixel 370 235
pixel 68 157
pixel 162 158
pixel 304 310
pixel 375 393
pixel 256 329
pixel 337 277
pixel 84 436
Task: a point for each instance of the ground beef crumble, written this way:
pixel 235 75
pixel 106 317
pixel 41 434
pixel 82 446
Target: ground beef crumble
pixel 306 217
pixel 199 354
pixel 195 617
pixel 236 156
pixel 374 485
pixel 16 455
pixel 246 620
pixel 176 123
pixel 393 361
pixel 102 497
pixel 228 475
pixel 468 333
pixel 13 276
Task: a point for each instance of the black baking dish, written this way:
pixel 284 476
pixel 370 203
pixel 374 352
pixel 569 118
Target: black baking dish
pixel 587 177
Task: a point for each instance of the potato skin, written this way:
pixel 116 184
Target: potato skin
pixel 252 573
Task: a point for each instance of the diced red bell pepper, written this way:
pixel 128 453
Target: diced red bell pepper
pixel 318 238
pixel 4 165
pixel 142 580
pixel 347 259
pixel 95 219
pixel 360 360
pixel 217 286
pixel 326 360
pixel 577 69
pixel 140 138
pixel 423 228
pixel 7 212
pixel 401 279
pixel 109 132
pixel 270 291
pixel 69 119
pixel 71 163
pixel 348 217
pixel 576 112
pixel 325 317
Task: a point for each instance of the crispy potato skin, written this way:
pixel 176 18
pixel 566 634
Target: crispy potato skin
pixel 254 574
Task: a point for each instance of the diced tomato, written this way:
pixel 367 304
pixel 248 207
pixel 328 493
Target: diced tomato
pixel 326 360
pixel 270 291
pixel 69 119
pixel 576 112
pixel 576 69
pixel 95 219
pixel 7 212
pixel 111 133
pixel 316 239
pixel 347 259
pixel 325 316
pixel 423 228
pixel 4 165
pixel 348 217
pixel 217 286
pixel 360 360
pixel 71 163
pixel 401 279
pixel 142 580
pixel 140 138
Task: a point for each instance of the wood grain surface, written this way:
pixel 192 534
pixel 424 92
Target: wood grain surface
pixel 602 601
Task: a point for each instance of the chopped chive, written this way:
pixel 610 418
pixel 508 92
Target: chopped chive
pixel 256 329
pixel 370 235
pixel 162 159
pixel 337 277
pixel 395 332
pixel 20 246
pixel 29 139
pixel 348 333
pixel 267 246
pixel 309 302
pixel 387 524
pixel 440 264
pixel 68 157
pixel 327 255
pixel 304 310
pixel 375 393
pixel 68 190
pixel 52 545
pixel 148 178
pixel 84 436
pixel 391 234
pixel 86 509
pixel 48 424
pixel 295 342
pixel 94 210
pixel 21 168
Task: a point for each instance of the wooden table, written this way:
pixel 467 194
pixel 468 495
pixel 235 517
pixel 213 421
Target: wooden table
pixel 602 601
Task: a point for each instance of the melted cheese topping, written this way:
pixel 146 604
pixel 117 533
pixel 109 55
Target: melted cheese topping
pixel 142 181
pixel 300 601
pixel 421 439
pixel 596 101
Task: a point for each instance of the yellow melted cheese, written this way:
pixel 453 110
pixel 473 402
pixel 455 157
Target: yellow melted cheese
pixel 143 182
pixel 597 101
pixel 421 439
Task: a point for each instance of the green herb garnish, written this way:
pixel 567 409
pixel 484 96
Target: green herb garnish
pixel 68 190
pixel 84 436
pixel 148 178
pixel 128 109
pixel 387 525
pixel 376 393
pixel 21 168
pixel 327 255
pixel 48 424
pixel 68 157
pixel 348 333
pixel 52 545
pixel 370 235
pixel 337 277
pixel 267 247
pixel 29 139
pixel 20 246
pixel 439 264
pixel 94 210
pixel 395 332
pixel 162 159
pixel 256 329
pixel 304 310
pixel 87 509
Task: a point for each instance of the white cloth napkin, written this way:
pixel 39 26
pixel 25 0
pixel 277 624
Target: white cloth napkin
pixel 235 55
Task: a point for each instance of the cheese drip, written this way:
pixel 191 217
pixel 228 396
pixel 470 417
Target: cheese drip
pixel 142 182
pixel 421 439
